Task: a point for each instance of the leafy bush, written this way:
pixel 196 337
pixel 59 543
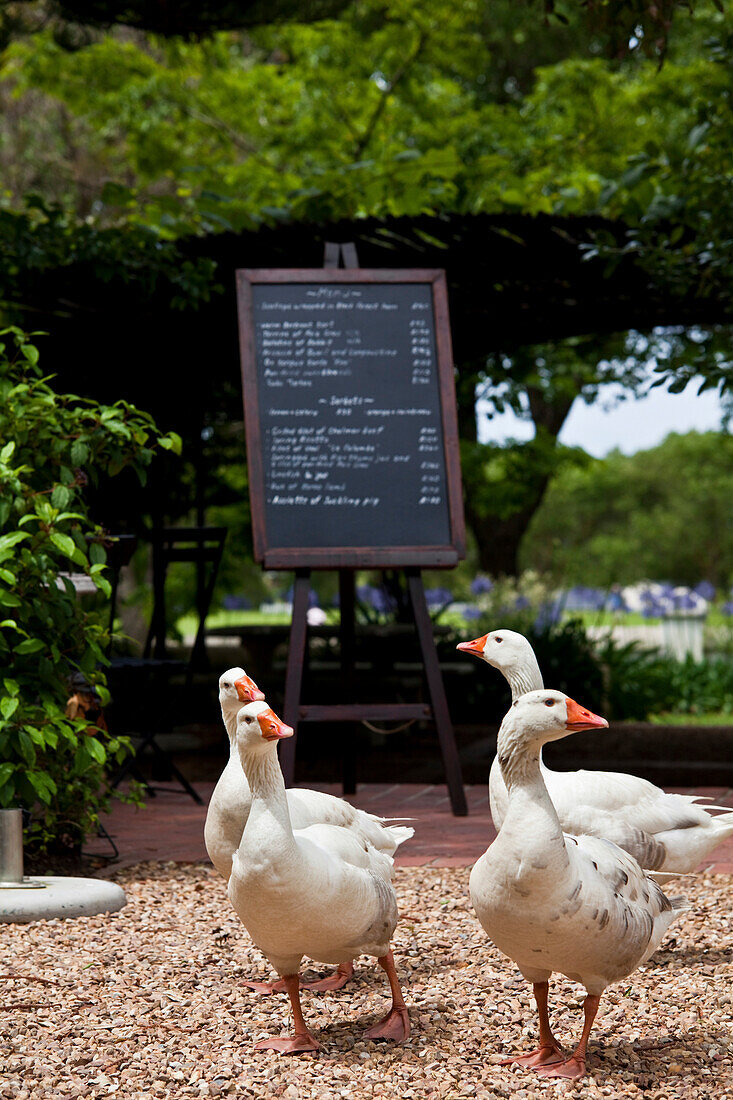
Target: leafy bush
pixel 51 447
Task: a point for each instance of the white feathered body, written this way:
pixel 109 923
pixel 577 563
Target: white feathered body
pixel 318 892
pixel 664 832
pixel 230 804
pixel 580 906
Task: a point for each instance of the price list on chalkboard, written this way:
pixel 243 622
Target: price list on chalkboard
pixel 350 424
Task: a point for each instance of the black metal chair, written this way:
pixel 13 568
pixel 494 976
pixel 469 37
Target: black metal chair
pixel 151 676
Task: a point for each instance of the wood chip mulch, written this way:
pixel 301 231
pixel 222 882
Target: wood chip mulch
pixel 148 1003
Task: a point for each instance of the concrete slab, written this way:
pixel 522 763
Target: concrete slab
pixel 61 897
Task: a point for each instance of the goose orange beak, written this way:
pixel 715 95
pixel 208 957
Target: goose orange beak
pixel 581 719
pixel 273 728
pixel 476 646
pixel 247 690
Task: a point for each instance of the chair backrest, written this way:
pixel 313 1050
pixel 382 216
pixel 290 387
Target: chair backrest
pixel 203 546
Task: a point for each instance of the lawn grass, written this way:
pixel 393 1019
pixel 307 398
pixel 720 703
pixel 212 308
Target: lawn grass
pixel 717 718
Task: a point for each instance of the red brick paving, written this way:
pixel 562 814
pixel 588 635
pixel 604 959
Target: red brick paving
pixel 170 826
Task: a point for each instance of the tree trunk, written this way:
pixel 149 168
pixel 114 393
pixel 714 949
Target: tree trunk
pixel 498 539
pixel 499 536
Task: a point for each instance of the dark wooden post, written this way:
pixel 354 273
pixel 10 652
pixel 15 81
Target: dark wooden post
pixel 439 703
pixel 294 673
pixel 347 638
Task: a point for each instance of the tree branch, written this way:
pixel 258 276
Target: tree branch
pixel 368 133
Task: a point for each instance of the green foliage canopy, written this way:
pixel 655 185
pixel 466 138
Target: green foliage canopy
pixel 53 445
pixel 663 514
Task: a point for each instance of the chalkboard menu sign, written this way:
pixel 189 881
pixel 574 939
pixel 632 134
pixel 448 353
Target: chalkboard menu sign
pixel 352 440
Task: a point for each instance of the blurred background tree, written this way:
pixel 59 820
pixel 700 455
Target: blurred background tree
pixel 128 128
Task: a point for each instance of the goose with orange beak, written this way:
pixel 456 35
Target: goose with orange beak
pixel 231 801
pixel 317 892
pixel 577 905
pixel 666 832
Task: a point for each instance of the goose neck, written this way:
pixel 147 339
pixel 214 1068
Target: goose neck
pixel 269 797
pixel 524 678
pixel 521 768
pixel 230 725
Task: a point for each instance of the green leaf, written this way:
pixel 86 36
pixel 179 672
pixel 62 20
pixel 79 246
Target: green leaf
pixel 60 496
pixel 30 645
pixel 95 749
pixel 64 543
pixel 7 793
pixel 97 554
pixel 8 706
pixel 12 539
pixel 12 687
pixel 171 442
pixel 6 770
pixel 79 452
pixel 43 785
pixel 103 585
pixel 25 745
pixel 7 451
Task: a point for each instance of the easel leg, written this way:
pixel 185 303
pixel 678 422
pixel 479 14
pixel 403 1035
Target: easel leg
pixel 294 674
pixel 441 715
pixel 347 644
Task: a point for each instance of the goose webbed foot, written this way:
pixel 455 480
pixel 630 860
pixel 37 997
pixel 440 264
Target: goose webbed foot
pixel 265 989
pixel 571 1068
pixel 394 1026
pixel 545 1055
pixel 289 1044
pixel 334 981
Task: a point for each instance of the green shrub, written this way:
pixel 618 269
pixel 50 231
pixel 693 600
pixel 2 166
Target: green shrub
pixel 51 447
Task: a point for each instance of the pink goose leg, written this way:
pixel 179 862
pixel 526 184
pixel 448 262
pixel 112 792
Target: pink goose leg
pixel 396 1024
pixel 574 1066
pixel 334 981
pixel 301 1040
pixel 549 1051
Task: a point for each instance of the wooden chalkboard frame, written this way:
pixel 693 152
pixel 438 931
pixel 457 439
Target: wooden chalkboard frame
pixel 334 557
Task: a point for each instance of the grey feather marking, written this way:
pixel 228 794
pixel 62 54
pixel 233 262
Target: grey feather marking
pixel 648 852
pixel 385 922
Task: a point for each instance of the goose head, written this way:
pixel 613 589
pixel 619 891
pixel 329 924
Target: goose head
pixel 236 688
pixel 258 727
pixel 546 715
pixel 512 654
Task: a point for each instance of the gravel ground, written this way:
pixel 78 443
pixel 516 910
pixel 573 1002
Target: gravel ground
pixel 147 1003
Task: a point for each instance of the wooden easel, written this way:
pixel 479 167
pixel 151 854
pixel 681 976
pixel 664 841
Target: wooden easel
pixel 296 712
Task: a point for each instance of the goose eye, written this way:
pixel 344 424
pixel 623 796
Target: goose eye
pixel 225 685
pixel 549 702
pixel 498 639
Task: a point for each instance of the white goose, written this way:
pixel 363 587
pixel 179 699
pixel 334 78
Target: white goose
pixel 576 905
pixel 319 891
pixel 231 800
pixel 664 832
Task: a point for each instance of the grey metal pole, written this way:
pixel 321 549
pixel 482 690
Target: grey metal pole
pixel 11 852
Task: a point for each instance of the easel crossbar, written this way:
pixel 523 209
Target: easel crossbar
pixel 358 712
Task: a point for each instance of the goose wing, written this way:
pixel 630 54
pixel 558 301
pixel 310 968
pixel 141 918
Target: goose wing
pixel 618 893
pixel 311 807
